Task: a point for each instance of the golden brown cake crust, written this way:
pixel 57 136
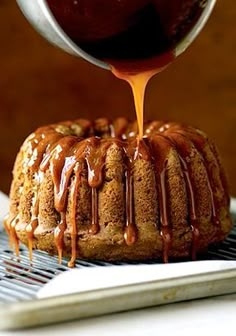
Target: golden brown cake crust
pixel 94 191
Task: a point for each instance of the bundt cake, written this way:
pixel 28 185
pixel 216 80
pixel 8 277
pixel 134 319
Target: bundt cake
pixel 93 190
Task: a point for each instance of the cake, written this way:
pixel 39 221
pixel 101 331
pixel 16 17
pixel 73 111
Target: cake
pixel 93 190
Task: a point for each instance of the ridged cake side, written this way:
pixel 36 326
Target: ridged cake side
pixel 92 190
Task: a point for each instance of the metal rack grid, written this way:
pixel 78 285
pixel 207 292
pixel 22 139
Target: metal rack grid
pixel 20 281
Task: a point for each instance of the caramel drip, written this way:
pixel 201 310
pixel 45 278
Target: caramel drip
pixel 184 150
pixel 193 216
pixel 30 229
pixel 160 149
pixel 130 234
pixel 74 231
pixel 165 226
pixel 95 155
pixel 39 144
pixel 10 226
pixel 68 152
pixel 200 143
pixel 61 162
pixel 59 236
pixel 142 151
pixel 34 146
pixel 94 229
pixel 210 175
pixel 134 150
pixel 61 169
pixel 138 83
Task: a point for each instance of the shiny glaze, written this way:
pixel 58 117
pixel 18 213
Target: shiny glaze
pixel 10 227
pixel 65 157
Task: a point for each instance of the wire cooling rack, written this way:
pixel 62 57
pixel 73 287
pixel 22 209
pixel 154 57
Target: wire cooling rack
pixel 20 280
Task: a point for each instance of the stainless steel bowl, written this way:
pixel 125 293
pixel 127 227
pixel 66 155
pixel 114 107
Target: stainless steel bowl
pixel 41 17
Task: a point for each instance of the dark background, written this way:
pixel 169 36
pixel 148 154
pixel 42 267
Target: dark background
pixel 40 84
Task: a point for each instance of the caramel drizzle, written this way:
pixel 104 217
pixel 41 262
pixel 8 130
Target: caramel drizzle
pixel 160 164
pixel 165 226
pixel 189 134
pixel 65 155
pixel 35 146
pixel 59 235
pixel 74 230
pixel 61 166
pixel 31 227
pixel 94 229
pixel 183 153
pixel 62 161
pixel 10 227
pixel 133 151
pixel 130 233
pixel 192 207
pixel 138 82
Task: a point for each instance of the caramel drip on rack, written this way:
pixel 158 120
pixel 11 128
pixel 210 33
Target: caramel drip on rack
pixel 10 227
pixel 30 229
pixel 32 226
pixel 59 235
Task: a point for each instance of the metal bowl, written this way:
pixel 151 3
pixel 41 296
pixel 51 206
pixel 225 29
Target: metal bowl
pixel 41 17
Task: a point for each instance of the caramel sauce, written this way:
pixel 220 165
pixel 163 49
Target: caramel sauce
pixel 193 215
pixel 10 227
pixel 130 233
pixel 59 235
pixel 74 230
pixel 138 83
pixel 30 229
pixel 65 157
pixel 94 229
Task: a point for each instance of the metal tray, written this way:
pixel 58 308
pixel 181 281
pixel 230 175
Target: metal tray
pixel 19 283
